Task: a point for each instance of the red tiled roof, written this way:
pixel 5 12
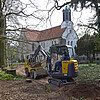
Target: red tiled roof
pixel 32 35
pixel 52 33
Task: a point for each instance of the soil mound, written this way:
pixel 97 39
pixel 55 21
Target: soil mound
pixel 82 90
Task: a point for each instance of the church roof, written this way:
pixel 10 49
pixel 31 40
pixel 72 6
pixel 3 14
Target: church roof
pixel 52 33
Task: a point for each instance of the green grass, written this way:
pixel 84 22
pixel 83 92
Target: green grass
pixel 88 73
pixel 47 89
pixel 16 63
pixel 5 76
pixel 8 67
pixel 90 64
pixel 13 64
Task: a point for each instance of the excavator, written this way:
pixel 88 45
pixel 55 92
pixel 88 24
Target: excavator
pixel 35 64
pixel 66 70
pixel 61 71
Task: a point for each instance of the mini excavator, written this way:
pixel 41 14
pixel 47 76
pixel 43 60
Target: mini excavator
pixel 66 70
pixel 61 71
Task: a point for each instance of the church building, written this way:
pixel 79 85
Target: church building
pixel 62 34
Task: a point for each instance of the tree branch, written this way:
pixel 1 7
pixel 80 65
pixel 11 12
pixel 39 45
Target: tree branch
pixel 89 27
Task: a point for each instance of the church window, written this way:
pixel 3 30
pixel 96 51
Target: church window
pixel 52 42
pixel 44 45
pixel 68 42
pixel 63 16
pixel 55 42
pixel 69 16
pixel 33 47
pixel 71 43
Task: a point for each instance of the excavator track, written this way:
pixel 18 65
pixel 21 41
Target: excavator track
pixel 59 82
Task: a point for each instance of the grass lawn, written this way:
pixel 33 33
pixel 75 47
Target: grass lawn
pixel 17 63
pixel 88 73
pixel 5 76
pixel 90 64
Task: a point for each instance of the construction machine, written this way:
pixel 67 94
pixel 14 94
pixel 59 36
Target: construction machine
pixel 34 66
pixel 61 71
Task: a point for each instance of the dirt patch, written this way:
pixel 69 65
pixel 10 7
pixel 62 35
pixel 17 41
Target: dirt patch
pixel 22 90
pixel 19 70
pixel 82 90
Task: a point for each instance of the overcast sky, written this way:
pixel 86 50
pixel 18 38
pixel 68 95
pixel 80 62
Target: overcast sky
pixel 56 18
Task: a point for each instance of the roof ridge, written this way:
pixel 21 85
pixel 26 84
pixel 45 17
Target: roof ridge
pixel 50 28
pixel 41 30
pixel 31 30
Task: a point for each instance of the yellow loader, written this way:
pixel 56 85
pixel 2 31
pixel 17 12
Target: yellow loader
pixel 33 64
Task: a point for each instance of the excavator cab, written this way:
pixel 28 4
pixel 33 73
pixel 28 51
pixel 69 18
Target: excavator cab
pixel 62 68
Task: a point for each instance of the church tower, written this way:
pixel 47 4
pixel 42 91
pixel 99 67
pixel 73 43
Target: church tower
pixel 69 34
pixel 66 18
pixel 66 14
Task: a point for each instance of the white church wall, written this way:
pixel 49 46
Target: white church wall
pixel 70 40
pixel 64 35
pixel 46 44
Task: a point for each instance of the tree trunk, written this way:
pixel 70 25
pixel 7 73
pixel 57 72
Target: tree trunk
pixel 87 55
pixel 2 53
pixel 93 55
pixel 2 40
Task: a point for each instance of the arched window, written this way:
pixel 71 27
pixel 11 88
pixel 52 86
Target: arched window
pixel 71 43
pixel 33 47
pixel 63 16
pixel 55 42
pixel 44 45
pixel 52 42
pixel 68 42
pixel 69 16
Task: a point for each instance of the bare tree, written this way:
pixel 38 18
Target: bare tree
pixel 14 16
